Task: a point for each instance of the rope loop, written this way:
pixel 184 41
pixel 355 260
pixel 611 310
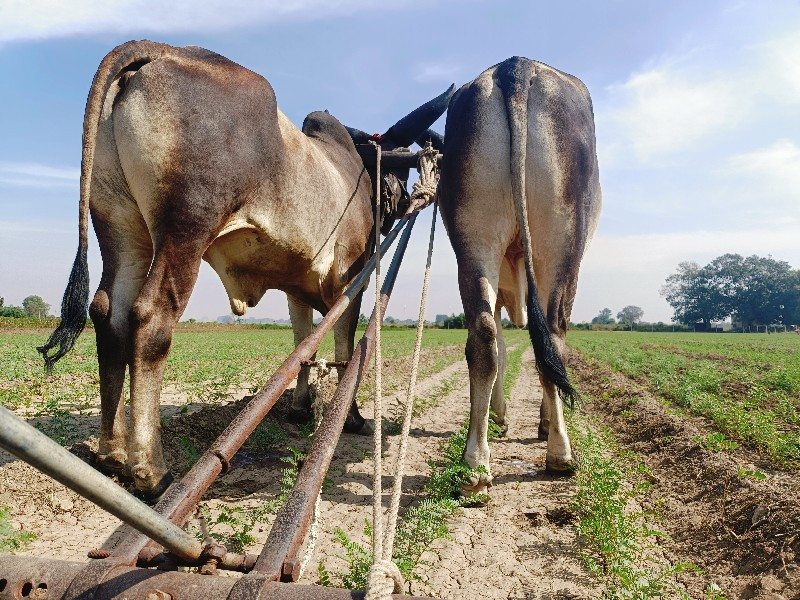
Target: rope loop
pixel 383 580
pixel 424 190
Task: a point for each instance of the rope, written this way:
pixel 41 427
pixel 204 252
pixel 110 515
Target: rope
pixel 394 507
pixel 384 577
pixel 424 190
pixel 377 491
pixel 383 580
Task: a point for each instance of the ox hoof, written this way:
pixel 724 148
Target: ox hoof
pixel 114 463
pixel 153 494
pixel 358 425
pixel 477 483
pixel 503 429
pixel 561 467
pixel 544 431
pixel 299 415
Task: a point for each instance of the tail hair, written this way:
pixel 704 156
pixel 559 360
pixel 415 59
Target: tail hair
pixel 548 360
pixel 73 313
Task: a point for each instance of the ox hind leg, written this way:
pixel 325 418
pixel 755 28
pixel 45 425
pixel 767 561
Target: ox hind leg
pixel 552 425
pixel 498 402
pixel 158 307
pixel 127 253
pixel 301 316
pixel 478 281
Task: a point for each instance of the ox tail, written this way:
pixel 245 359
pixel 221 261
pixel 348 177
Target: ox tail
pixel 74 305
pixel 514 76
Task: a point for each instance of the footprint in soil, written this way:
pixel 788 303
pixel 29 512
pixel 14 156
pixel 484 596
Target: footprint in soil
pixel 558 516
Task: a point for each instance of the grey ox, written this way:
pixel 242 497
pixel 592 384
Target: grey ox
pixel 186 157
pixel 520 197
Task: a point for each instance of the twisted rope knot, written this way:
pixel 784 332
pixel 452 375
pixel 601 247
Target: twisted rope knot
pixel 424 190
pixel 383 580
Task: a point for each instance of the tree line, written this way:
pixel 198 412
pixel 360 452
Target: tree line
pixel 753 291
pixel 32 306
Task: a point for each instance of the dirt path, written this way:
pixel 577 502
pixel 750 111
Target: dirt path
pixel 521 545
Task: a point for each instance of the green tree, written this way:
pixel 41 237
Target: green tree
pixel 689 292
pixel 35 307
pixel 754 290
pixel 604 318
pixel 455 322
pixel 630 315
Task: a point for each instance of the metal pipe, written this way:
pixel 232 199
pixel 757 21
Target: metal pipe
pixel 180 500
pixel 40 451
pixel 390 159
pixel 278 559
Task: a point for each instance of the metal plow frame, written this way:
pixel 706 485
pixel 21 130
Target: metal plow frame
pixel 157 539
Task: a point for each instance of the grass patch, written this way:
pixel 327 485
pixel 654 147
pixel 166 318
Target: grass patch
pixel 620 542
pixel 12 540
pixel 716 442
pixel 189 451
pixel 232 526
pixel 56 422
pixel 267 436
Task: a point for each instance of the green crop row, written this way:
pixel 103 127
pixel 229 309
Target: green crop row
pixel 747 384
pixel 204 365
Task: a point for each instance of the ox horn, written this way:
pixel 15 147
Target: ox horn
pixel 359 137
pixel 434 137
pixel 409 128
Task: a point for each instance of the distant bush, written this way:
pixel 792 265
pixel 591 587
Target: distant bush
pixel 23 322
pixel 668 327
pixel 12 312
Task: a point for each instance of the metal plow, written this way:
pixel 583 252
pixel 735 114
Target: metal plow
pixel 144 564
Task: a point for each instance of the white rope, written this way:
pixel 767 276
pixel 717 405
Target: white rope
pixel 424 190
pixel 377 491
pixel 384 577
pixel 394 507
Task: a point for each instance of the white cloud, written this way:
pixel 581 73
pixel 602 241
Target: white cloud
pixel 776 165
pixel 446 71
pixel 40 19
pixel 667 109
pixel 682 100
pixel 36 175
pixel 780 58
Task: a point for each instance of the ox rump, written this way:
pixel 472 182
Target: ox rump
pixel 186 157
pixel 520 198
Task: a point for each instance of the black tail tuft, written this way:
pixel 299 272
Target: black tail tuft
pixel 548 361
pixel 73 313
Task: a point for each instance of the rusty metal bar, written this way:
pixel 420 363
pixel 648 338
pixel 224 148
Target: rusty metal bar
pixel 390 159
pixel 180 500
pixel 278 559
pixel 40 451
pixel 151 557
pixel 29 577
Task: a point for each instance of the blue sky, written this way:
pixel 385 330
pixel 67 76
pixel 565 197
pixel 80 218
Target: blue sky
pixel 696 106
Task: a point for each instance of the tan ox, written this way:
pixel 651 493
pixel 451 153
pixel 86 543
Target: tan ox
pixel 520 197
pixel 187 157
